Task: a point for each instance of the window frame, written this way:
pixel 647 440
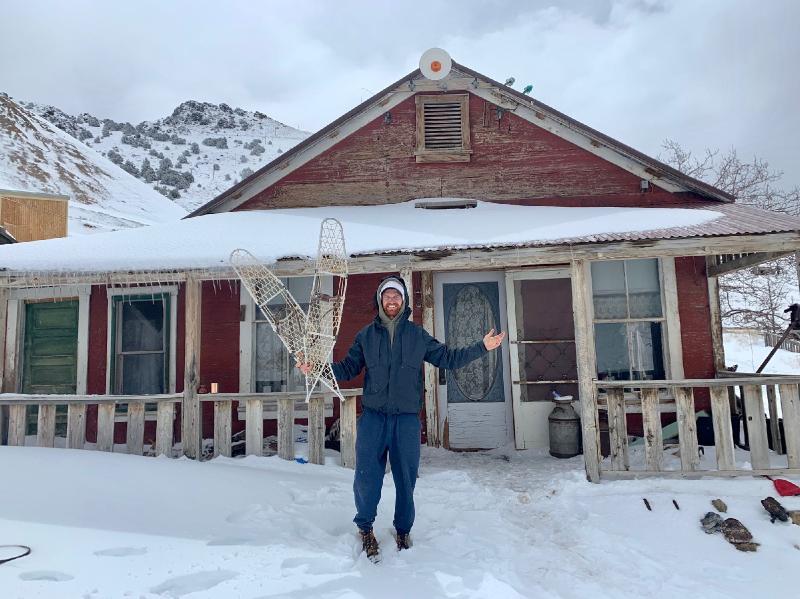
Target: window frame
pixel 424 154
pixel 669 319
pixel 169 293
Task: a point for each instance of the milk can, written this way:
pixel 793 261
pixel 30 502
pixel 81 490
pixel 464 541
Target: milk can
pixel 565 426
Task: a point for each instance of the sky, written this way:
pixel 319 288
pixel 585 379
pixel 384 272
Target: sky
pixel 715 74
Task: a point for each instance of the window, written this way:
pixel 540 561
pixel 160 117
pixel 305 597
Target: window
pixel 628 320
pixel 443 128
pixel 140 344
pixel 273 368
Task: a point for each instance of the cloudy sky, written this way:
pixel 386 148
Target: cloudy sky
pixel 708 74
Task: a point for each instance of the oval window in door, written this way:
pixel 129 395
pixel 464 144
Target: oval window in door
pixel 470 316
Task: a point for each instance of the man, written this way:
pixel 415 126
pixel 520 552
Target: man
pixel 393 349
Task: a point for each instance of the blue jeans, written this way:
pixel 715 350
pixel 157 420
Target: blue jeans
pixel 379 435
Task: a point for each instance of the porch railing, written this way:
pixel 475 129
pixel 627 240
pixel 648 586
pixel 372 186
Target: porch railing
pixel 648 399
pixel 279 406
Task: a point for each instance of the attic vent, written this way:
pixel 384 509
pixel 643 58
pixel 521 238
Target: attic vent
pixel 443 128
pixel 446 204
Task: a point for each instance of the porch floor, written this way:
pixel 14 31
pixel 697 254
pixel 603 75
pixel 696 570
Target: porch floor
pixel 500 524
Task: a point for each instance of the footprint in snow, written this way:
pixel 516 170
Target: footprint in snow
pixel 47 575
pixel 192 583
pixel 121 551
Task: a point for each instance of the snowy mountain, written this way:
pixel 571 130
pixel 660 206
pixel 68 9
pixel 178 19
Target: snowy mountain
pixel 191 156
pixel 37 156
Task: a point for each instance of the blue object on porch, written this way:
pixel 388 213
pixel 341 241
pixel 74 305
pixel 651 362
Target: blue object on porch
pixel 301 460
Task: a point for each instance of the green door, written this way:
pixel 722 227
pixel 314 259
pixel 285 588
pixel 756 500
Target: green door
pixel 50 355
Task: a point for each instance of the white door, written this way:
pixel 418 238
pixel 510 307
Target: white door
pixel 474 401
pixel 542 347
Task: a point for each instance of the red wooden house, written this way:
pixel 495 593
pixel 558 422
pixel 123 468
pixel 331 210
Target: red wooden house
pixel 608 275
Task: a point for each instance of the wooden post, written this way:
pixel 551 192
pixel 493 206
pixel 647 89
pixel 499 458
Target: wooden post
pixel 431 388
pixel 756 427
pixel 316 429
pixel 286 429
pixel 617 430
pixel 3 409
pixel 46 426
pixel 254 427
pixel 76 426
pixel 687 428
pixel 190 407
pixel 135 429
pixel 653 436
pixel 165 415
pixel 222 428
pixel 790 405
pixel 583 315
pixel 347 432
pixel 105 426
pixel 11 361
pixel 723 437
pixel 774 425
pixel 716 324
pixel 16 424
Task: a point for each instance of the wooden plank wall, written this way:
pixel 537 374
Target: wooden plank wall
pixel 31 219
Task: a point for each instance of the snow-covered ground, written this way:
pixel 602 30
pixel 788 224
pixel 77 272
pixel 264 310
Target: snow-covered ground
pixel 500 524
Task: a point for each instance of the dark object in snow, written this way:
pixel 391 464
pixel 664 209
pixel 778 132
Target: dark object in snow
pixel 25 551
pixel 403 541
pixel 369 545
pixel 301 460
pixel 737 535
pixel 775 510
pixel 711 522
pixel 647 504
pixel 719 505
pixel 675 503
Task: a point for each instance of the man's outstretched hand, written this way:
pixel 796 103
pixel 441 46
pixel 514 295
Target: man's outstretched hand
pixel 492 341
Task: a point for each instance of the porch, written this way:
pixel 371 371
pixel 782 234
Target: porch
pixel 570 263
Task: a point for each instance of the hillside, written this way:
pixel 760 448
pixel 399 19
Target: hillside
pixel 190 156
pixel 37 156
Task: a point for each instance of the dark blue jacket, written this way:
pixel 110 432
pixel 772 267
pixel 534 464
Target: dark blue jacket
pixel 393 380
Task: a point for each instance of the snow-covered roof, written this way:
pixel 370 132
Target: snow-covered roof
pixel 205 242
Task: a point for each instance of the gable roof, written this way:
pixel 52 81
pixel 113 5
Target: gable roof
pixel 464 79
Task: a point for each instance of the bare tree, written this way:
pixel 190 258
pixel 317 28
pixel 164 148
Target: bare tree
pixel 754 297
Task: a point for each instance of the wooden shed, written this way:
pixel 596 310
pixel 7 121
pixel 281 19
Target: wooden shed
pixel 30 216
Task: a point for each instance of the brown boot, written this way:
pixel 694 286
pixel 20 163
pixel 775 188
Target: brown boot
pixel 369 544
pixel 403 541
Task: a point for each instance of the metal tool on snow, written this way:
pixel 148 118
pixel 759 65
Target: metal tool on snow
pixel 794 325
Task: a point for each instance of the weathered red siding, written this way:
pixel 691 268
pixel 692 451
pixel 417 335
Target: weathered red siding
pixel 512 160
pixel 219 351
pixel 695 315
pixel 98 358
